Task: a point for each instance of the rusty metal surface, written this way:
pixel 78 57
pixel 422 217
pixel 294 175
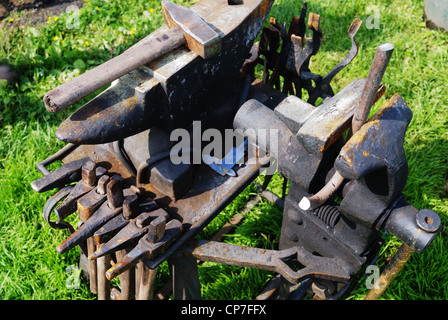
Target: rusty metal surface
pixel 323 87
pixel 390 272
pixel 99 218
pixel 146 249
pixel 373 83
pixel 89 203
pixel 69 204
pixel 112 227
pixel 416 228
pixel 51 203
pixel 330 119
pixel 273 260
pixel 200 37
pixel 60 177
pixel 296 163
pixel 293 60
pixel 210 194
pixel 378 143
pixel 129 235
pixel 151 96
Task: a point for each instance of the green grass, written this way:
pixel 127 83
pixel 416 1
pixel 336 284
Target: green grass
pixel 49 54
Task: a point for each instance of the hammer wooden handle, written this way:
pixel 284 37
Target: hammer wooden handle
pixel 185 27
pixel 145 51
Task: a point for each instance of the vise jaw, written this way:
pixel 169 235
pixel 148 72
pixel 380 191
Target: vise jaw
pixel 372 161
pixel 318 127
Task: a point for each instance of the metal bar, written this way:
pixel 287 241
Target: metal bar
pixel 244 256
pixel 372 84
pixel 390 272
pixel 185 277
pixel 92 266
pixel 69 147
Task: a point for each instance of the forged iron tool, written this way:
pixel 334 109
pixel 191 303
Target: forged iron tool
pixel 113 226
pixel 129 236
pixel 147 93
pixel 292 63
pixel 185 27
pixel 60 177
pixel 374 164
pixel 158 238
pixel 106 211
pixel 366 100
pixel 90 175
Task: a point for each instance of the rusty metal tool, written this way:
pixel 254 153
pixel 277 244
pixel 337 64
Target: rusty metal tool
pixel 373 82
pixel 103 284
pixel 113 226
pixel 323 87
pixel 131 209
pixel 90 175
pixel 274 260
pixel 158 239
pixel 91 201
pixel 68 173
pixel 129 236
pixel 390 272
pixel 115 199
pixel 127 279
pixel 87 205
pixel 147 282
pixel 367 98
pixel 105 212
pixel 51 203
pixel 362 156
pixel 302 57
pixel 185 27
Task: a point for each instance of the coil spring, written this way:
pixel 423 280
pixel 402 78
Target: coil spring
pixel 328 214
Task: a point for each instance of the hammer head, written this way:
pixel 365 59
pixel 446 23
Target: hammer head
pixel 199 35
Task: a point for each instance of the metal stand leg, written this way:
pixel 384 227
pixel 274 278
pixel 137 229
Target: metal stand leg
pixel 392 269
pixel 185 277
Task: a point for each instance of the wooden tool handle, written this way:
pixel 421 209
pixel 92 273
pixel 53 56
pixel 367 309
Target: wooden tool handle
pixel 148 49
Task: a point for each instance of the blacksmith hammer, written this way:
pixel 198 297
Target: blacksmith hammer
pixel 186 28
